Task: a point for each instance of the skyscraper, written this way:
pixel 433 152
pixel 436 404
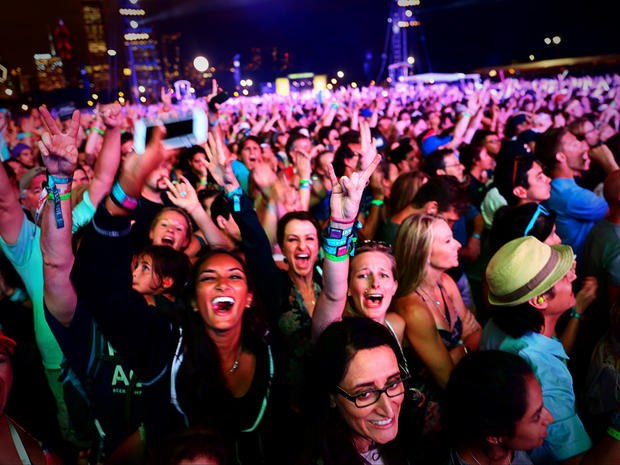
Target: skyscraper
pixel 142 52
pixel 49 72
pixel 171 57
pixel 97 67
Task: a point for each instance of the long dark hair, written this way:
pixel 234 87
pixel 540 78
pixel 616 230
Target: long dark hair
pixel 201 388
pixel 333 353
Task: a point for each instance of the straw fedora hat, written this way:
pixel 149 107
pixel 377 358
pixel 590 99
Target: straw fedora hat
pixel 525 268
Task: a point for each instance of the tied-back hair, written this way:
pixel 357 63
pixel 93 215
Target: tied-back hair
pixel 486 396
pixel 201 388
pixel 412 249
pixel 333 353
pixel 180 211
pixel 404 190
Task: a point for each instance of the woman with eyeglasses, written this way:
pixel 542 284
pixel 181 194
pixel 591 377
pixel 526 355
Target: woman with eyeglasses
pixel 440 330
pixel 358 393
pixel 360 285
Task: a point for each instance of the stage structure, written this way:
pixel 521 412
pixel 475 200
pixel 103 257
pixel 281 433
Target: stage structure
pixel 143 64
pixel 404 49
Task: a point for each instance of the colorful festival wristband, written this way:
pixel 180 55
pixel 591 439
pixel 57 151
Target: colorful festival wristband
pixel 121 199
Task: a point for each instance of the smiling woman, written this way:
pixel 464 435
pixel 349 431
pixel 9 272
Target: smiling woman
pixel 358 391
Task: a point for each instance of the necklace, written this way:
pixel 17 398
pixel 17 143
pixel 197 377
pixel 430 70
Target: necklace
pixel 236 362
pixel 478 463
pixel 436 302
pixel 474 457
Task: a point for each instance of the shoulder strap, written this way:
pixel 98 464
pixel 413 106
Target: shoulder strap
pixel 19 445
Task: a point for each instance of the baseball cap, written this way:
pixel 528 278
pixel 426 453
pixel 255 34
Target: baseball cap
pixel 26 180
pixel 19 148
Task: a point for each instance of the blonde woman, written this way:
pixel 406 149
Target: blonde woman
pixel 439 328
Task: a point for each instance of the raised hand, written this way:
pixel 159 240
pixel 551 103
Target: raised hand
pixel 264 177
pixel 183 195
pixel 302 161
pixel 587 293
pixel 166 97
pixel 112 116
pixel 347 192
pixel 59 150
pixel 368 145
pixel 218 164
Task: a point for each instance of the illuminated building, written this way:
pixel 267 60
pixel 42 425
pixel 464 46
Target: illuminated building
pixel 50 72
pixel 142 50
pixel 97 67
pixel 171 57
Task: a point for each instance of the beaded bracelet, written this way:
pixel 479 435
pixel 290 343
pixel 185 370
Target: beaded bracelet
pixel 574 314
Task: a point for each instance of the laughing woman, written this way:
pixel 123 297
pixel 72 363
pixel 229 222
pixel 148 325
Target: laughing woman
pixel 366 281
pixel 218 369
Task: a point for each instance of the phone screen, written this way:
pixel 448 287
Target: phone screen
pixel 173 129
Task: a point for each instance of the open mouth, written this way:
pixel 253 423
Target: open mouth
pixel 373 300
pixel 167 240
pixel 382 423
pixel 222 304
pixel 302 257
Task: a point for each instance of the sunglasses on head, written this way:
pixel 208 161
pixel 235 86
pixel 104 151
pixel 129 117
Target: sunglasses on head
pixel 540 209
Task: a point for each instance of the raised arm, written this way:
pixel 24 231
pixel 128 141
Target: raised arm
pixel 11 214
pixel 109 158
pixel 60 154
pixel 184 196
pixel 344 204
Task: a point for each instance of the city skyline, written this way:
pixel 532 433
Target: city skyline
pixel 323 36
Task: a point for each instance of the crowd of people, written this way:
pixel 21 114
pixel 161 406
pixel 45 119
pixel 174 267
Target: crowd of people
pixel 365 276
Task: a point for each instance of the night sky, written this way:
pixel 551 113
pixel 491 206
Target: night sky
pixel 326 35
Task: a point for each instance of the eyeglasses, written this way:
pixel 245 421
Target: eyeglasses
pixel 368 245
pixel 540 209
pixel 367 398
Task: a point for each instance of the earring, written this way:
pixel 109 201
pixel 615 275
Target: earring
pixel 541 299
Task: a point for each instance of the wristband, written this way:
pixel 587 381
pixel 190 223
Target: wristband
pixel 341 221
pixel 574 314
pixel 235 195
pixel 22 135
pixel 66 196
pixel 377 202
pixel 203 181
pixel 335 258
pixel 466 114
pixel 52 180
pixel 214 123
pixel 60 222
pixel 305 181
pixel 100 131
pixel 121 199
pixel 476 235
pixel 305 186
pixel 613 432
